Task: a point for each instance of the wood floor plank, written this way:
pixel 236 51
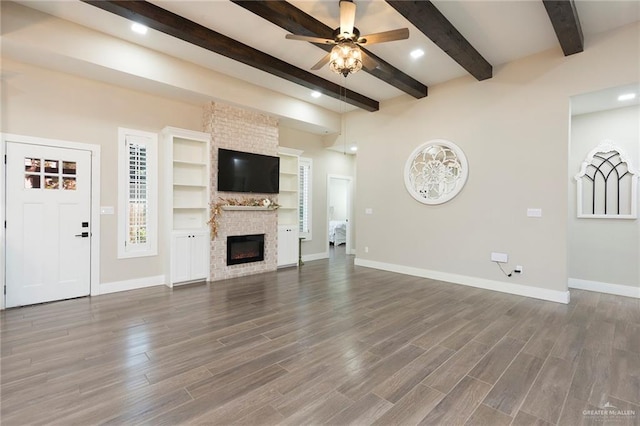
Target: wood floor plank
pixel 495 362
pixel 440 332
pixel 398 385
pixel 496 330
pixel 459 404
pixel 511 389
pixel 600 336
pixel 455 368
pixel 485 415
pixel 591 381
pixel 569 343
pixel 364 382
pixel 264 416
pixel 465 334
pixel 626 336
pixel 364 411
pixel 625 376
pixel 525 419
pixel 549 391
pixel 412 408
pixel 320 410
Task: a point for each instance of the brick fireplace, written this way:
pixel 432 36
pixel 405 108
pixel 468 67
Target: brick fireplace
pixel 241 130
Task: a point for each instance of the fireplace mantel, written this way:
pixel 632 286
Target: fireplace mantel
pixel 252 208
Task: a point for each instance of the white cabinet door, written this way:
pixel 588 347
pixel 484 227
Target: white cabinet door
pixel 181 252
pixel 287 246
pixel 282 245
pixel 200 256
pixel 189 256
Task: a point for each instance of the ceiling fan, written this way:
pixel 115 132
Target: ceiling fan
pixel 346 57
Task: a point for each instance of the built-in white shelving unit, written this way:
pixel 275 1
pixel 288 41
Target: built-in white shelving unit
pixel 288 212
pixel 187 184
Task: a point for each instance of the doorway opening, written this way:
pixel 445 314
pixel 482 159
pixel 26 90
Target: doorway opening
pixel 339 216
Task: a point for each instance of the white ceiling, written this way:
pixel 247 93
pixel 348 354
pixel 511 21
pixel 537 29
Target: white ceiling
pixel 501 31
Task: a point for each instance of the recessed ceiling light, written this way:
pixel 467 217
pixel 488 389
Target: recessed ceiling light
pixel 315 94
pixel 415 54
pixel 138 28
pixel 354 148
pixel 627 97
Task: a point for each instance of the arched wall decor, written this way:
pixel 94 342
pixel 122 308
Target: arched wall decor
pixel 607 184
pixel 436 171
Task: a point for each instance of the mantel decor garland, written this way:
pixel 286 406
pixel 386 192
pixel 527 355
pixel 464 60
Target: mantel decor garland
pixel 217 207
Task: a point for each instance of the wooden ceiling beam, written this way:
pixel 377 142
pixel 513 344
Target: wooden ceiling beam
pixel 169 23
pixel 294 20
pixel 564 18
pixel 428 19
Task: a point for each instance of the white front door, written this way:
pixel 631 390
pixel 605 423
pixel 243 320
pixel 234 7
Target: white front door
pixel 48 233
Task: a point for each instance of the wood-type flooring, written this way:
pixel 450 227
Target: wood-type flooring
pixel 329 343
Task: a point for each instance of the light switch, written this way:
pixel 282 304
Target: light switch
pixel 368 210
pixel 106 209
pixel 534 212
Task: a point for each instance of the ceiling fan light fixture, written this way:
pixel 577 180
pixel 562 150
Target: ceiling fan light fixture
pixel 345 58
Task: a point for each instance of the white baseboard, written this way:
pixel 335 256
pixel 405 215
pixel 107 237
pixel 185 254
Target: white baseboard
pixel 520 290
pixel 115 286
pixel 600 287
pixel 315 256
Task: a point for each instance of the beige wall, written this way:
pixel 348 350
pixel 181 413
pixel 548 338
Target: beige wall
pixel 603 250
pixel 47 104
pixel 514 130
pixel 325 162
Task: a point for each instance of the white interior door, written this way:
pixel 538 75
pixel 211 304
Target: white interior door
pixel 48 250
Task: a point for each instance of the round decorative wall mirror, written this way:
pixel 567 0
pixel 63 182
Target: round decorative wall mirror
pixel 436 171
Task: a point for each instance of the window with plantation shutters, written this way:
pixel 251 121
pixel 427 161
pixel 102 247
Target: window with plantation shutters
pixel 138 194
pixel 304 193
pixel 137 198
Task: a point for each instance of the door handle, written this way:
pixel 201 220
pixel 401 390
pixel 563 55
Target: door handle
pixel 83 235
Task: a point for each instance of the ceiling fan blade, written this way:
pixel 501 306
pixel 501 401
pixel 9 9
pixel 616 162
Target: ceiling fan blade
pixel 393 35
pixel 368 62
pixel 347 17
pixel 322 62
pixel 316 40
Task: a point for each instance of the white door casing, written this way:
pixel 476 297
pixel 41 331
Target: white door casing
pixel 48 217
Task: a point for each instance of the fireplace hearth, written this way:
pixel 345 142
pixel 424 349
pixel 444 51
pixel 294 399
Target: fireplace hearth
pixel 245 249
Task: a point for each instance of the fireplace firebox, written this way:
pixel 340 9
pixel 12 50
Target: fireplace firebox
pixel 245 249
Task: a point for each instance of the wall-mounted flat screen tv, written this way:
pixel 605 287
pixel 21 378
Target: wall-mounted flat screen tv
pixel 247 172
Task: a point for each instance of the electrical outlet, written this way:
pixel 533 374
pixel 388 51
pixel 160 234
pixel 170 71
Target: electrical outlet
pixel 499 257
pixel 366 249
